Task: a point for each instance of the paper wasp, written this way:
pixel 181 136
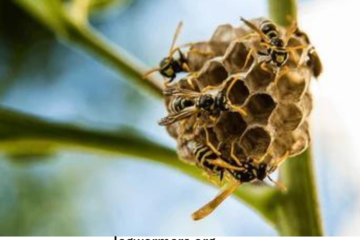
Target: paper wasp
pixel 185 103
pixel 170 66
pixel 314 61
pixel 277 50
pixel 249 171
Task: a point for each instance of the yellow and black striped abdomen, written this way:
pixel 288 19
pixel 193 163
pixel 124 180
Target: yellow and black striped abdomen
pixel 204 155
pixel 269 29
pixel 179 103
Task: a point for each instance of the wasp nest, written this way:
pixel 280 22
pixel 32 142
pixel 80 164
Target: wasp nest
pixel 243 107
pixel 275 103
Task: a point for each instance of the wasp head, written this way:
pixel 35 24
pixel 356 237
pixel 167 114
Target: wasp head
pixel 262 171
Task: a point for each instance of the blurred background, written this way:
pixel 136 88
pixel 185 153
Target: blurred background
pixel 77 193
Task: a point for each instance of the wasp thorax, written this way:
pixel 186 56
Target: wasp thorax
pixel 278 42
pixel 206 102
pixel 262 171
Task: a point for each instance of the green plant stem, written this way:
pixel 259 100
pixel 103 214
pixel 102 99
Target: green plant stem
pixel 283 12
pixel 18 131
pixel 298 211
pixel 60 21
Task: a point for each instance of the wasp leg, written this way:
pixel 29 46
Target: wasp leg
pixel 304 55
pixel 295 56
pixel 298 47
pixel 282 159
pixel 279 161
pixel 206 89
pixel 293 49
pixel 280 186
pixel 248 57
pixel 151 71
pixel 264 67
pixel 221 163
pixel 186 67
pixel 280 73
pixel 167 83
pixel 209 144
pixel 204 53
pixel 190 80
pixel 240 110
pixel 221 177
pixel 233 80
pixel 212 178
pixel 232 154
pixel 178 48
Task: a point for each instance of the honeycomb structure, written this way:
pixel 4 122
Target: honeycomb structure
pixel 277 111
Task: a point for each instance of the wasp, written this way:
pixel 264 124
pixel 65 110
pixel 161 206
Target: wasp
pixel 248 170
pixel 314 62
pixel 277 52
pixel 170 66
pixel 185 103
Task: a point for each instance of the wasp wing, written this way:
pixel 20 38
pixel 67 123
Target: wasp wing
pixel 174 117
pixel 212 205
pixel 181 92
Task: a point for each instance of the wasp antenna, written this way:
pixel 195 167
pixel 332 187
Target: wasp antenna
pixel 255 28
pixel 151 71
pixel 290 32
pixel 176 35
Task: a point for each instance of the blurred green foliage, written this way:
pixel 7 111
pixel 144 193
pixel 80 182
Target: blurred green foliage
pixel 17 39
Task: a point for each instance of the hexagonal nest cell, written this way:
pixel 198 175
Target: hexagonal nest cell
pixel 291 86
pixel 235 58
pixel 231 125
pixel 201 52
pixel 259 107
pixel 259 79
pixel 286 117
pixel 224 33
pixel 238 93
pixel 213 73
pixel 255 142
